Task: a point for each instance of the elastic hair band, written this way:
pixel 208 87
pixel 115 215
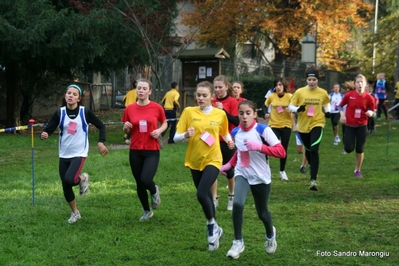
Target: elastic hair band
pixel 76 87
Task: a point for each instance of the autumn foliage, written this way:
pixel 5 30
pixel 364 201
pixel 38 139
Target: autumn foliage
pixel 281 23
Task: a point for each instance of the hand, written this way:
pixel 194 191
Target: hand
pixel 225 168
pixel 301 108
pixel 369 113
pixel 253 146
pixel 155 134
pixel 189 133
pixel 219 105
pixel 327 115
pixel 267 116
pixel 103 150
pixel 44 135
pixel 342 120
pixel 231 145
pixel 127 126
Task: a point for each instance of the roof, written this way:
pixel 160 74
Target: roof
pixel 205 53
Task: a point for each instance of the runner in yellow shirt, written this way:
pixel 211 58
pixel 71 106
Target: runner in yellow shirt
pixel 202 125
pixel 309 102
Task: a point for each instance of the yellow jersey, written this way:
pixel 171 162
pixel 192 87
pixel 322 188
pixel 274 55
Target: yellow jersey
pixel 280 117
pixel 171 100
pixel 199 153
pixel 130 97
pixel 313 116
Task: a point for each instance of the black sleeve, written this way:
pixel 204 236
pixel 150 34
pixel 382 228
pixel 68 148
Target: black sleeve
pixel 264 110
pixel 232 119
pixel 53 123
pixel 93 119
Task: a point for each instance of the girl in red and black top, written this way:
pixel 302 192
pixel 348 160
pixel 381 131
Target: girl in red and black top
pixel 141 121
pixel 360 105
pixel 230 106
pixel 235 91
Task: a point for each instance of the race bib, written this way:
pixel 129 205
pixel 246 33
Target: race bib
pixel 358 112
pixel 207 138
pixel 310 110
pixel 244 158
pixel 72 128
pixel 279 109
pixel 143 126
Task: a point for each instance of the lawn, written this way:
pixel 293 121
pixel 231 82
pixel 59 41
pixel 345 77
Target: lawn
pixel 347 222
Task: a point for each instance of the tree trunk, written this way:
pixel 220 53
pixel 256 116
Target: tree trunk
pixel 13 95
pixel 397 64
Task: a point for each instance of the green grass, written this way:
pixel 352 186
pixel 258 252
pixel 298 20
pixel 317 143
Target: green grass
pixel 346 214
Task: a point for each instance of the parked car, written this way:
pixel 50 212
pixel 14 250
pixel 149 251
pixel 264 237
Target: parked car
pixel 119 99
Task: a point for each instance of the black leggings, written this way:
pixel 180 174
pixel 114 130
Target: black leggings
pixel 381 106
pixel 144 165
pixel 311 142
pixel 69 170
pixel 283 134
pixel 355 135
pixel 227 154
pixel 203 181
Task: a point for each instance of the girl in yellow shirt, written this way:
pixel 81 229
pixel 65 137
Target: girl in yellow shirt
pixel 202 125
pixel 281 120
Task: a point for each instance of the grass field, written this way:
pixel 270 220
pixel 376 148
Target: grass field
pixel 313 228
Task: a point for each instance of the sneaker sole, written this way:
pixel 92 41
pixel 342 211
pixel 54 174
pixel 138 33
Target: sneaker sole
pixel 314 188
pixel 238 255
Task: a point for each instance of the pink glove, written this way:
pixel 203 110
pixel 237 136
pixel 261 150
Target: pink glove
pixel 225 168
pixel 253 146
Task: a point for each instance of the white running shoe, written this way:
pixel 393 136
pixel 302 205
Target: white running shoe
pixel 216 202
pixel 215 232
pixel 84 186
pixel 230 203
pixel 337 139
pixel 74 217
pixel 283 176
pixel 236 249
pixel 146 216
pixel 156 200
pixel 271 244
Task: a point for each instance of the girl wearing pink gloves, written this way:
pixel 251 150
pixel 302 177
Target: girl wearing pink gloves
pixel 252 173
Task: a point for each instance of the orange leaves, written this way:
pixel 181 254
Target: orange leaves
pixel 281 21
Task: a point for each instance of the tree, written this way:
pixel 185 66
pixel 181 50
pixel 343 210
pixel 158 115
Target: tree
pixel 43 42
pixel 282 24
pixel 385 42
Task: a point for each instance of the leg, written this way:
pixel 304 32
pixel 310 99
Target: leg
pixel 144 165
pixel 203 181
pixel 172 126
pixel 361 135
pixel 227 155
pixel 240 195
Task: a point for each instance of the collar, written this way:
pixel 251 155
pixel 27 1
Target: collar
pixel 250 127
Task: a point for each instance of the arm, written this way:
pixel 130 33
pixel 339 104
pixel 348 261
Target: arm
pixel 93 119
pixel 52 125
pixel 232 119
